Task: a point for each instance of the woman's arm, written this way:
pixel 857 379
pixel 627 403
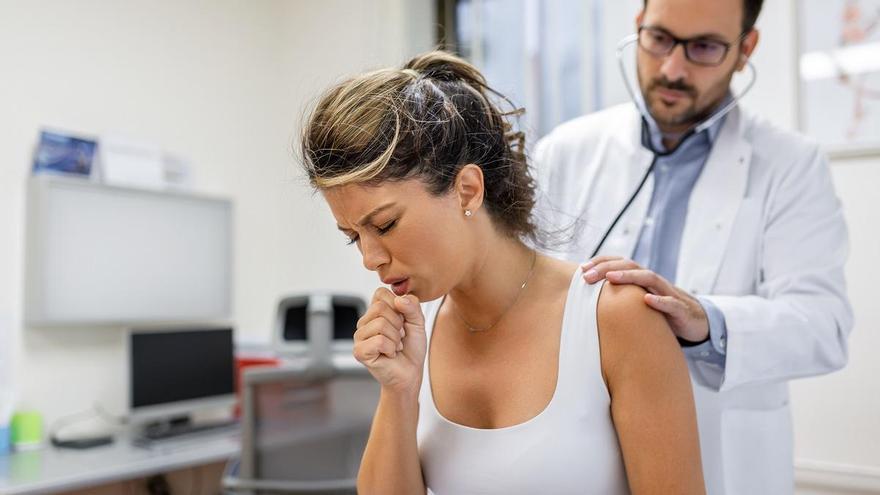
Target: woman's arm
pixel 652 402
pixel 391 342
pixel 391 460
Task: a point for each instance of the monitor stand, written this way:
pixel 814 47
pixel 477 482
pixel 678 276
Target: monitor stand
pixel 180 426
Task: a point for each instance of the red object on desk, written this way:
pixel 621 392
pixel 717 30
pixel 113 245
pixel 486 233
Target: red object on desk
pixel 242 362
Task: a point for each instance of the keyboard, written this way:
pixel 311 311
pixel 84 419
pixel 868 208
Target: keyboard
pixel 186 430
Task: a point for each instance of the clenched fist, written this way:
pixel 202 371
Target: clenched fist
pixel 390 341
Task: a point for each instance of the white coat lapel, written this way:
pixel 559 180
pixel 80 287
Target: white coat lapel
pixel 626 161
pixel 713 207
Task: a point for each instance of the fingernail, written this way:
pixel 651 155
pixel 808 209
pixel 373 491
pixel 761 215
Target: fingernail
pixel 586 266
pixel 404 300
pixel 592 273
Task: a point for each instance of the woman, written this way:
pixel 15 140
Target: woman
pixel 517 376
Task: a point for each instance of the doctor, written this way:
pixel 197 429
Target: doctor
pixel 731 224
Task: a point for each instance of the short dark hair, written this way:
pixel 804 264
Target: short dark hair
pixel 751 9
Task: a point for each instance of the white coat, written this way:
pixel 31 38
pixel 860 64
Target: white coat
pixel 764 240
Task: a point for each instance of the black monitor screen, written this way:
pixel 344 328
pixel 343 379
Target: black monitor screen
pixel 173 366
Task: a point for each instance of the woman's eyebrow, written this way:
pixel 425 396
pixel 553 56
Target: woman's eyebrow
pixel 369 216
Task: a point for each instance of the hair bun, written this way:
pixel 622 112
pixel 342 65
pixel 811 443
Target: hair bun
pixel 443 66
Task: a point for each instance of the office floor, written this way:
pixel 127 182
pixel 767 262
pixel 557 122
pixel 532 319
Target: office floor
pixel 199 480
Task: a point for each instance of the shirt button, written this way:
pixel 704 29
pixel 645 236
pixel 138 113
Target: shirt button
pixel 649 221
pixel 722 342
pixel 704 354
pixel 718 226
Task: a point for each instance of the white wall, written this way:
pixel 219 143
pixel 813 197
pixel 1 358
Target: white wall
pixel 222 83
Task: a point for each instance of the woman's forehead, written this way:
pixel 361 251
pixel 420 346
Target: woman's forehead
pixel 373 193
pixel 351 202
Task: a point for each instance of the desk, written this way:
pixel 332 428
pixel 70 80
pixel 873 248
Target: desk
pixel 53 470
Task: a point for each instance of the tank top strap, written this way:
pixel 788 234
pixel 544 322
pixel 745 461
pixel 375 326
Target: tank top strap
pixel 429 311
pixel 580 368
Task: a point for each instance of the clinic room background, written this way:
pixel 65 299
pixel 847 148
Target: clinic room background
pixel 225 85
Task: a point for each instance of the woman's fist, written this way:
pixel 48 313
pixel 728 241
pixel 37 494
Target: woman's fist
pixel 390 341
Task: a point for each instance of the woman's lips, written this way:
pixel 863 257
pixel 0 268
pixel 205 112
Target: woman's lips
pixel 401 287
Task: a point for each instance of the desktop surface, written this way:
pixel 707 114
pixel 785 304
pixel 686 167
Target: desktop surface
pixel 52 470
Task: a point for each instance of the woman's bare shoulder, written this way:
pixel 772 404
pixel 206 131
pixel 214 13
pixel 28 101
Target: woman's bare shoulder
pixel 624 302
pixel 630 330
pixel 562 270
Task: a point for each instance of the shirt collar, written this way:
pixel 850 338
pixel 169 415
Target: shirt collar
pixel 711 133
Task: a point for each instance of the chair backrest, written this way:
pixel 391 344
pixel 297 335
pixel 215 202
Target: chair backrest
pixel 304 429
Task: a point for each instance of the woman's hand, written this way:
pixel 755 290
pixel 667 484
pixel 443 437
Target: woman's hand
pixel 390 341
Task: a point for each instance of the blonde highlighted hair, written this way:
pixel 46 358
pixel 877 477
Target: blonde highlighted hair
pixel 425 120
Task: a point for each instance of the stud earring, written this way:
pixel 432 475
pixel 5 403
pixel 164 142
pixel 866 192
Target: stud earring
pixel 468 213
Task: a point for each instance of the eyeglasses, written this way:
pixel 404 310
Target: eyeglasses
pixel 701 51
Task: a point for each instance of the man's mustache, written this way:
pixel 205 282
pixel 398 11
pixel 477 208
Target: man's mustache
pixel 678 85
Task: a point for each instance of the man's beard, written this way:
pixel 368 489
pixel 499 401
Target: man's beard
pixel 688 116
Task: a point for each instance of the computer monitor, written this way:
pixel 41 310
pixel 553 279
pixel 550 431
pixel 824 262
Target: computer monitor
pixel 175 372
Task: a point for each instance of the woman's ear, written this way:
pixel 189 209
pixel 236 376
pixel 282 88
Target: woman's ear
pixel 469 187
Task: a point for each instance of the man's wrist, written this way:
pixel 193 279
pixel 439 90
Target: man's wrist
pixel 717 325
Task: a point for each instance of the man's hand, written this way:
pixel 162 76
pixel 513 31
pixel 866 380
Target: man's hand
pixel 683 312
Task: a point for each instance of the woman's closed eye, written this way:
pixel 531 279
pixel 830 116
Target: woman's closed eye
pixel 387 227
pixel 384 229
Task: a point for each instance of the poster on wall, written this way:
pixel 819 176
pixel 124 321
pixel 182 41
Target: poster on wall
pixel 839 63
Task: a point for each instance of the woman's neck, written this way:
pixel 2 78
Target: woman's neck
pixel 494 283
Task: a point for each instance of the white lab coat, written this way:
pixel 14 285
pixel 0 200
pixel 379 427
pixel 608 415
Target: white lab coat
pixel 764 240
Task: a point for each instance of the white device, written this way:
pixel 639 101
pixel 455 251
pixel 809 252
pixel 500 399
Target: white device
pixel 317 326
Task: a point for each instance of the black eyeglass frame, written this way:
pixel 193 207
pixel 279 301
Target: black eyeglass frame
pixel 685 43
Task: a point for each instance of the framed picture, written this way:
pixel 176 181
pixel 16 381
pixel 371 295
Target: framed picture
pixel 63 153
pixel 839 73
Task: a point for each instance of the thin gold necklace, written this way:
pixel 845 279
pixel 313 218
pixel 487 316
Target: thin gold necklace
pixel 522 288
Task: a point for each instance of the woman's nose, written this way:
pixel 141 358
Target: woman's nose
pixel 373 253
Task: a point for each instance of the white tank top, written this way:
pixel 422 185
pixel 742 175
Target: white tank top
pixel 570 447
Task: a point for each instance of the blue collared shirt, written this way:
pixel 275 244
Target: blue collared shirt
pixel 659 242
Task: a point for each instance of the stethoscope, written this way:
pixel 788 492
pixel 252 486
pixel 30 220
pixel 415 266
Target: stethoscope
pixel 646 138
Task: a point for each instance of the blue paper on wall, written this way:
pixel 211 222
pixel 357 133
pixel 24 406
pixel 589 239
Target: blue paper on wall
pixel 60 153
